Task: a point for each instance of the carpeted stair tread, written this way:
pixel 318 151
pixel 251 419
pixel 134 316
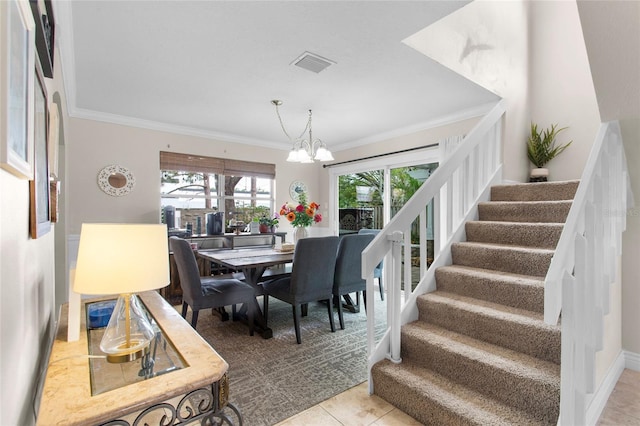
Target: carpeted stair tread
pixel 497 324
pixel 434 400
pixel 543 235
pixel 515 259
pixel 505 288
pixel 512 377
pixel 524 211
pixel 541 191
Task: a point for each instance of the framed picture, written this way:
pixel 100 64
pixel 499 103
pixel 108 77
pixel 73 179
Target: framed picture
pixel 45 34
pixel 40 215
pixel 17 67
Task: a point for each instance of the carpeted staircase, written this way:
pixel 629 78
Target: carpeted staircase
pixel 480 352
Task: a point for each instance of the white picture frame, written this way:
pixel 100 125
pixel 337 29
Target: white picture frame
pixel 17 56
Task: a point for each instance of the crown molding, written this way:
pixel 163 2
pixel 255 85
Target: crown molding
pixel 172 128
pixel 444 120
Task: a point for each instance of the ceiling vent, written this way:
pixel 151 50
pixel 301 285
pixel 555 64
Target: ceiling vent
pixel 312 62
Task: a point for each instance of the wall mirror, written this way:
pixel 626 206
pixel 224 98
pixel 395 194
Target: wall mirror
pixel 116 180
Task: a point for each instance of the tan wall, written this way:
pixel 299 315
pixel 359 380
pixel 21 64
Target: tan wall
pixel 631 242
pixel 484 41
pixel 27 294
pixel 92 145
pixel 561 87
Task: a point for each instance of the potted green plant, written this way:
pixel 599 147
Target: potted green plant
pixel 541 148
pixel 267 224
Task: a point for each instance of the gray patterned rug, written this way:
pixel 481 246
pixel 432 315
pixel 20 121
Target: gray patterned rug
pixel 273 379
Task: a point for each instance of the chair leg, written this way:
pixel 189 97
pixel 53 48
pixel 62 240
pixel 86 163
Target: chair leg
pixel 296 322
pixel 364 299
pixel 184 309
pixel 330 309
pixel 265 308
pixel 381 287
pixel 224 316
pixel 194 318
pixel 305 309
pixel 250 316
pixel 340 314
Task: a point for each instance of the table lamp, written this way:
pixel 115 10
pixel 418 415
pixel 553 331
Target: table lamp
pixel 123 259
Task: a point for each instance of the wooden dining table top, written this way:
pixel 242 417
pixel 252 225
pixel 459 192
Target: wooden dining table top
pixel 247 258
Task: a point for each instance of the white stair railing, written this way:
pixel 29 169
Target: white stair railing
pixel 455 189
pixel 583 267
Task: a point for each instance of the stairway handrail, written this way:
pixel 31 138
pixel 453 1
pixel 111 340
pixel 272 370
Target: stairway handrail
pixel 378 248
pixel 564 249
pixel 583 268
pixel 389 236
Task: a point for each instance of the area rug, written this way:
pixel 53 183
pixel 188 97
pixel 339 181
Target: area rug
pixel 273 379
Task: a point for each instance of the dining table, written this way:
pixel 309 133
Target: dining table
pixel 256 265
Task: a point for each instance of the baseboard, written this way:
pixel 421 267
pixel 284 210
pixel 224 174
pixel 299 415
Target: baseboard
pixel 601 396
pixel 632 361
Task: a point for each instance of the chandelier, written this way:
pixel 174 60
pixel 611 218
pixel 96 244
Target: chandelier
pixel 304 150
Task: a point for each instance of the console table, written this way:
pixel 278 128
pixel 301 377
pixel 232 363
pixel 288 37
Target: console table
pixel 191 385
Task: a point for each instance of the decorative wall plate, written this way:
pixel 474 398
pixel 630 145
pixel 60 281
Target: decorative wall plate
pixel 116 180
pixel 296 188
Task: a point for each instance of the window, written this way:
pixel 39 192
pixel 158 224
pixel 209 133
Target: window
pixel 197 185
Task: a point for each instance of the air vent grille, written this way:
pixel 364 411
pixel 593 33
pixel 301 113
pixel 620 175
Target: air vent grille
pixel 312 62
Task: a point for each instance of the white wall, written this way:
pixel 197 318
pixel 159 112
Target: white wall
pixel 486 42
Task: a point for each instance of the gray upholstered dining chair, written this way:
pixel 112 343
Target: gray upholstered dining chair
pixel 348 273
pixel 208 292
pixel 377 272
pixel 311 279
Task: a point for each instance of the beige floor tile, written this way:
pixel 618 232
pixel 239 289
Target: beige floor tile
pixel 613 417
pixel 396 418
pixel 356 407
pixel 314 416
pixel 626 397
pixel 630 377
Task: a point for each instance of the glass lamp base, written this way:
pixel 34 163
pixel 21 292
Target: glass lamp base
pixel 128 333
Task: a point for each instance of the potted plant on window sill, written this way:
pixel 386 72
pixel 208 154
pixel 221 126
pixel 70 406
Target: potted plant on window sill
pixel 268 224
pixel 541 148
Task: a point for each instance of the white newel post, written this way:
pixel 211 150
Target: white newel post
pixel 394 295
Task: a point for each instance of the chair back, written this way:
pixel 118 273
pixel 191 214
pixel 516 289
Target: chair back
pixel 348 272
pixel 314 263
pixel 187 268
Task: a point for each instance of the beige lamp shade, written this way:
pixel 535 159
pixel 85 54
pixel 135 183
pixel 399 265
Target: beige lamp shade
pixel 115 258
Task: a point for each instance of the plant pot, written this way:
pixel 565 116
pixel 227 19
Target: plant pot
pixel 539 175
pixel 264 229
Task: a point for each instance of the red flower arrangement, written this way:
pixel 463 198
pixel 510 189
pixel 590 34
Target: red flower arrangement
pixel 301 214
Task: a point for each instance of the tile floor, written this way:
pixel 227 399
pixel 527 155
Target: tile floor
pixel 356 407
pixel 623 407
